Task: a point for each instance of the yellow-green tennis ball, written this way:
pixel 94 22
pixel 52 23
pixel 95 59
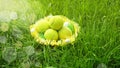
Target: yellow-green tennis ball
pixel 56 22
pixel 42 25
pixel 65 33
pixel 51 34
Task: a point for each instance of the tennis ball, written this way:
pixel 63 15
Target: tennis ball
pixel 64 33
pixel 51 34
pixel 56 22
pixel 70 26
pixel 42 25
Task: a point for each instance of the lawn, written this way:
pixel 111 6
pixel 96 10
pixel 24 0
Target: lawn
pixel 97 45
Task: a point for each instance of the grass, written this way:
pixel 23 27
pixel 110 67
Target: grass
pixel 98 43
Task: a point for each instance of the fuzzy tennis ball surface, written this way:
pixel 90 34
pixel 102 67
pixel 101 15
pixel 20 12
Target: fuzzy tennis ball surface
pixel 42 25
pixel 51 34
pixel 56 22
pixel 65 33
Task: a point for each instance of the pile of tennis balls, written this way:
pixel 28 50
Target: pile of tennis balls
pixel 55 30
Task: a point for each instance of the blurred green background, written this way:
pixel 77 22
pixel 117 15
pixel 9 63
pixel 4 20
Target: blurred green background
pixel 97 46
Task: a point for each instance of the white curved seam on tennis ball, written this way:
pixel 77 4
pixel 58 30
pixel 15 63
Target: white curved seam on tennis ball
pixel 50 16
pixel 66 24
pixel 67 40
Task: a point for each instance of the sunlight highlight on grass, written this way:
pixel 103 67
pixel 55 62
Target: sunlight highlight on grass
pixel 29 50
pixel 3 39
pixel 9 54
pixel 4 27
